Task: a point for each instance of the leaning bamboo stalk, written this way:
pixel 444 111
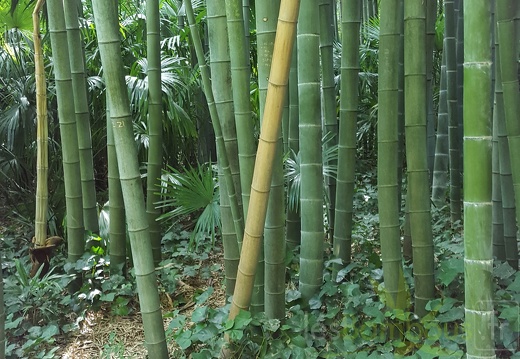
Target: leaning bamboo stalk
pixel 221 146
pixel 269 134
pixel 42 151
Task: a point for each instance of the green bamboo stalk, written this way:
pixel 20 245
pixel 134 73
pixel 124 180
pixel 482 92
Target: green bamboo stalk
pixel 79 86
pixel 117 220
pixel 388 155
pixel 418 195
pixel 460 102
pixel 266 13
pixel 349 97
pixel 221 148
pixel 508 49
pixel 506 177
pixel 293 222
pixel 453 126
pixel 240 87
pixel 499 250
pixel 431 18
pixel 240 78
pixel 478 256
pixel 311 190
pixel 155 123
pixel 400 112
pixel 221 83
pixel 330 119
pixel 42 135
pixel 269 136
pixel 440 169
pixel 107 28
pixel 68 132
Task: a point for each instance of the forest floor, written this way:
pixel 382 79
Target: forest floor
pixel 104 335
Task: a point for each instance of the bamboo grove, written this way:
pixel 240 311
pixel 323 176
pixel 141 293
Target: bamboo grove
pixel 443 131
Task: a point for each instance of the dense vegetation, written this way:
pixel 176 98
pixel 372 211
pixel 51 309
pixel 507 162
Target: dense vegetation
pixel 369 157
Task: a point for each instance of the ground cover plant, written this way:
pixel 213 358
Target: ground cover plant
pixel 347 318
pixel 275 178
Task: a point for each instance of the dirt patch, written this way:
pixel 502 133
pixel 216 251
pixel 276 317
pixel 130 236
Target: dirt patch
pixel 102 335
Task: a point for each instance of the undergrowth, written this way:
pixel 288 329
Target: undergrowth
pixel 348 318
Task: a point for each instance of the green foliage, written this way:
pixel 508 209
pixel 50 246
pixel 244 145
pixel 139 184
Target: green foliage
pixel 34 309
pixel 192 192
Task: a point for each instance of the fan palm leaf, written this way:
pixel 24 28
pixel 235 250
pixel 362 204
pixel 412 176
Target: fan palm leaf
pixel 189 192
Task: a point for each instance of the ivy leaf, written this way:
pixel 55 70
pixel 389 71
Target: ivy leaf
pixel 109 297
pixel 515 286
pixel 451 315
pixel 315 303
pixel 177 322
pixel 458 354
pixel 242 319
pixel 271 325
pixel 203 354
pixel 184 339
pixel 199 314
pixel 292 295
pixel 503 271
pixel 298 353
pixel 449 269
pixel 235 335
pixel 204 296
pixel 299 341
pixel 206 333
pixel 428 352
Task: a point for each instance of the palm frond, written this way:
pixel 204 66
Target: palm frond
pixel 194 191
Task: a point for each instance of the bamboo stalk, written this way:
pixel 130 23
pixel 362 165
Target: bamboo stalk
pixel 266 151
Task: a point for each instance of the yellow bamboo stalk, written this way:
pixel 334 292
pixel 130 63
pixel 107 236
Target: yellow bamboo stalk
pixel 271 123
pixel 42 153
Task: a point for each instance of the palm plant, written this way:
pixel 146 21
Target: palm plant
pixel 192 192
